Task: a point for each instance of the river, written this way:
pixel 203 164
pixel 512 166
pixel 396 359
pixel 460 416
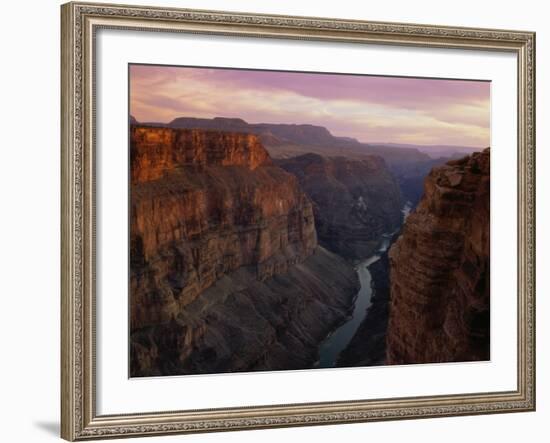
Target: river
pixel 337 341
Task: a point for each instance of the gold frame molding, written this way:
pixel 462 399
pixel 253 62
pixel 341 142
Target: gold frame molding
pixel 79 22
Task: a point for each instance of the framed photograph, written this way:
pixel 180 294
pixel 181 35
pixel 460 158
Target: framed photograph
pixel 282 221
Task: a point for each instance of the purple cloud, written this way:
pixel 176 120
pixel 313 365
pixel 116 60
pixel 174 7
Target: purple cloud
pixel 400 109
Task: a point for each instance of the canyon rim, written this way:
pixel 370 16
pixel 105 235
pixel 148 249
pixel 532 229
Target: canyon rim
pixel 289 220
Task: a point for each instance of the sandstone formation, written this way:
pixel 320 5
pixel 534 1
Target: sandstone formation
pixel 439 309
pixel 355 201
pixel 155 151
pixel 226 273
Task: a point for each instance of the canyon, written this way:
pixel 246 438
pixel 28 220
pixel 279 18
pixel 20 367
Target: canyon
pixel 270 246
pixel 431 288
pixel 226 273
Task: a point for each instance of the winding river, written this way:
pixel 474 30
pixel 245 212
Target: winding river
pixel 337 341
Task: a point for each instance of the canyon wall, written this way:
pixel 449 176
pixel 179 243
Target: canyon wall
pixel 225 270
pixel 355 201
pixel 155 151
pixel 439 277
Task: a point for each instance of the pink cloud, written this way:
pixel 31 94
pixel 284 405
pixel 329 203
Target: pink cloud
pixel 351 105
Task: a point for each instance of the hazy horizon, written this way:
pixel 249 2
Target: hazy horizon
pixel 372 109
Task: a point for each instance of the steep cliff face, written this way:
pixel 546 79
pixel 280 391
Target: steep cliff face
pixel 159 150
pixel 439 308
pixel 218 233
pixel 354 201
pixel 202 207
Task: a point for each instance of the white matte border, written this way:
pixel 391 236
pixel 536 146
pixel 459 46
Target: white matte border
pixel 116 393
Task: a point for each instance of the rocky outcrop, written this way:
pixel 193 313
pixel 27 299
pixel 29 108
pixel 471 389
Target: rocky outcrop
pixel 155 151
pixel 355 201
pixel 439 309
pixel 225 271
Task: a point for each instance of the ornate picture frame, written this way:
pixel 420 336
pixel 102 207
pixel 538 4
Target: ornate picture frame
pixel 80 23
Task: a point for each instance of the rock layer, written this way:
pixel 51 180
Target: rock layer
pixel 355 201
pixel 155 151
pixel 439 309
pixel 221 237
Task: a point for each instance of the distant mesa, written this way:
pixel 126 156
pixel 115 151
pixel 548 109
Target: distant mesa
pixel 217 123
pixel 270 133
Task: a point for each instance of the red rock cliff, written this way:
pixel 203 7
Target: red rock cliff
pixel 201 207
pixel 225 271
pixel 159 150
pixel 439 277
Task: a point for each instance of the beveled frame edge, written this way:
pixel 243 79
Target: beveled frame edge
pixel 78 24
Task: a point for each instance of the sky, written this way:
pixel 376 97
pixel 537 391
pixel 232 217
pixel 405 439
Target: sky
pixel 369 108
